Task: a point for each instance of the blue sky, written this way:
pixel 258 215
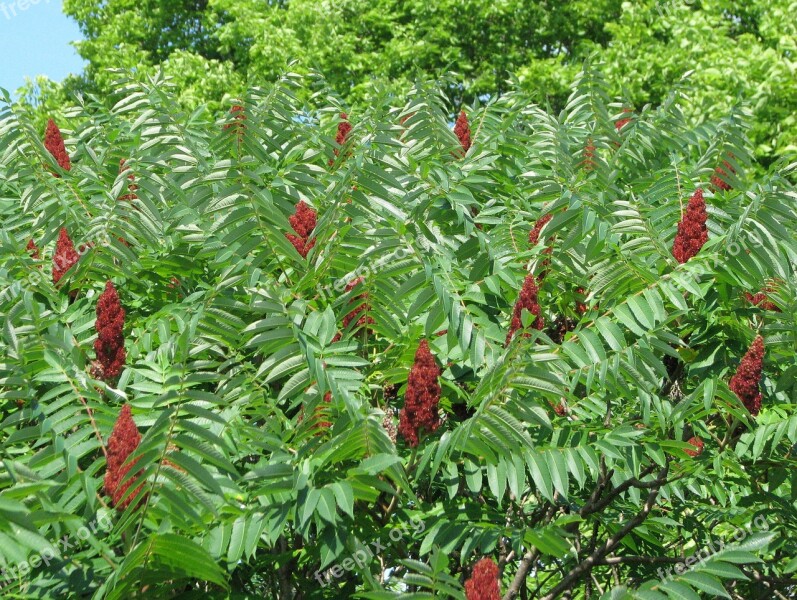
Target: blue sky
pixel 34 40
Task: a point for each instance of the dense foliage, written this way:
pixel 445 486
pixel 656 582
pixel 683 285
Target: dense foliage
pixel 485 370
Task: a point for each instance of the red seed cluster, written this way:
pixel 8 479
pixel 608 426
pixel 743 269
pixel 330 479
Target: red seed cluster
pixel 131 187
pixel 527 300
pixel 33 250
pixel 54 143
pixel 422 397
pixel 65 255
pixel 462 131
pixel 484 582
pixel 110 342
pixel 719 173
pixel 364 318
pixel 122 443
pixel 692 230
pixel 748 377
pixel 698 444
pixel 303 222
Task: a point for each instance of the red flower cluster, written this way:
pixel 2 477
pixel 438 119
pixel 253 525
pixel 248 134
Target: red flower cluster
pixel 33 249
pixel 748 376
pixel 462 131
pixel 483 583
pixel 65 255
pixel 110 342
pixel 303 222
pixel 54 143
pixel 364 318
pixel 122 443
pixel 421 398
pixel 131 187
pixel 698 444
pixel 692 231
pixel 717 179
pixel 527 300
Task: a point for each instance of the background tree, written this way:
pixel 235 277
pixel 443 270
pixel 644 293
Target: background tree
pixel 737 51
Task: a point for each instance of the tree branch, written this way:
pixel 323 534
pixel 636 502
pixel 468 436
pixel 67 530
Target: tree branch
pixel 586 565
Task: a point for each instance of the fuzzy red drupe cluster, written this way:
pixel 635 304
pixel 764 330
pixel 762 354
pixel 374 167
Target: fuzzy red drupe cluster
pixel 745 383
pixel 122 443
pixel 33 250
pixel 484 582
pixel 303 222
pixel 761 299
pixel 318 413
pixel 462 131
pixel 131 187
pixel 718 181
pixel 620 123
pixel 65 256
pixel 589 156
pixel 692 231
pixel 361 312
pixel 344 128
pixel 698 444
pixel 110 342
pixel 527 300
pixel 534 234
pixel 54 142
pixel 422 397
pixel 237 123
pixel 534 238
